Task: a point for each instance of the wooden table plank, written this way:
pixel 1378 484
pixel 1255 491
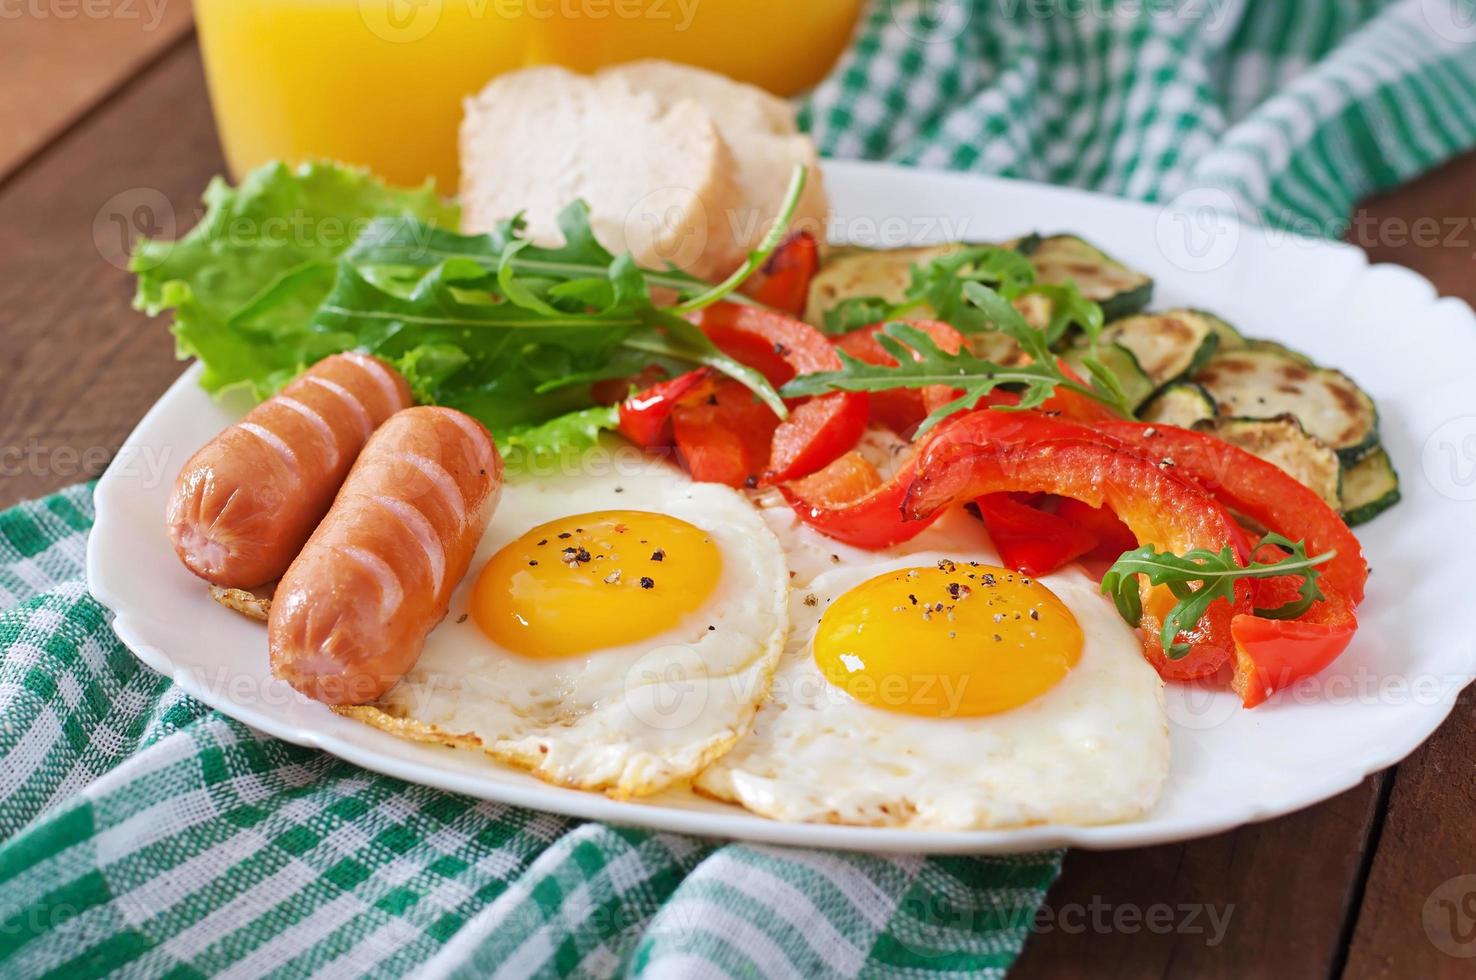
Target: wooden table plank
pixel 1279 896
pixel 1418 914
pixel 83 366
pixel 62 57
pixel 1271 899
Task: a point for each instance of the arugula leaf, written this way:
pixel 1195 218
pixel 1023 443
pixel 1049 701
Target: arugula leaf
pixel 406 244
pixel 1216 574
pixel 854 312
pixel 921 363
pixel 1069 308
pixel 270 247
pixel 936 291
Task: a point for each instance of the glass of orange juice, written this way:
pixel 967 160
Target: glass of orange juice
pixel 380 82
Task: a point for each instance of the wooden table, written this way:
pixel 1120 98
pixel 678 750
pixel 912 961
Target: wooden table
pixel 106 117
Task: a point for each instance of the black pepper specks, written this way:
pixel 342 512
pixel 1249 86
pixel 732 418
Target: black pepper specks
pixel 647 582
pixel 658 555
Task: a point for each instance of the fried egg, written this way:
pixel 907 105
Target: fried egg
pixel 929 691
pixel 617 631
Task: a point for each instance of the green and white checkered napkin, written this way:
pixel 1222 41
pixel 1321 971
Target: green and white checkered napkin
pixel 144 834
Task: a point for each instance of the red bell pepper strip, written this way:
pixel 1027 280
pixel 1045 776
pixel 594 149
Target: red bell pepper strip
pixel 849 478
pixel 1160 508
pixel 1256 489
pixel 818 429
pixel 837 505
pixel 1272 653
pixel 722 433
pixel 902 409
pixel 1030 540
pixel 645 417
pixel 1112 535
pixel 786 276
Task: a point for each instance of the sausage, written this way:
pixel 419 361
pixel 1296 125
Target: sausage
pixel 245 503
pixel 352 613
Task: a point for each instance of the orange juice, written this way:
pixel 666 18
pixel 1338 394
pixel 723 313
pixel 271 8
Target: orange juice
pixel 380 82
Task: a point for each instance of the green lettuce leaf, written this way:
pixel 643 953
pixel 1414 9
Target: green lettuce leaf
pixel 245 282
pixel 573 432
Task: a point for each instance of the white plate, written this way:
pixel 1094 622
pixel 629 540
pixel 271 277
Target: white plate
pixel 1413 654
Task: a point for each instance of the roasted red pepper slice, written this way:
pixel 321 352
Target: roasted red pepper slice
pixel 902 409
pixel 1112 535
pixel 1016 451
pixel 1256 489
pixel 785 285
pixel 1272 653
pixel 645 417
pixel 723 432
pixel 1029 540
pixel 839 506
pixel 849 478
pixel 818 429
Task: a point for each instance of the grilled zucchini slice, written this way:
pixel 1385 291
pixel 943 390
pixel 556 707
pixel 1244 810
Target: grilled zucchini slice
pixel 1230 338
pixel 1120 361
pixel 1370 487
pixel 1181 404
pixel 1283 442
pixel 883 273
pixel 1258 343
pixel 1166 345
pixel 1120 291
pixel 1263 383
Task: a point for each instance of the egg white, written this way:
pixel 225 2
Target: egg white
pixel 1092 749
pixel 629 720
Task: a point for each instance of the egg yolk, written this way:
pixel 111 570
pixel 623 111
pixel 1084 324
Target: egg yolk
pixel 958 640
pixel 594 580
